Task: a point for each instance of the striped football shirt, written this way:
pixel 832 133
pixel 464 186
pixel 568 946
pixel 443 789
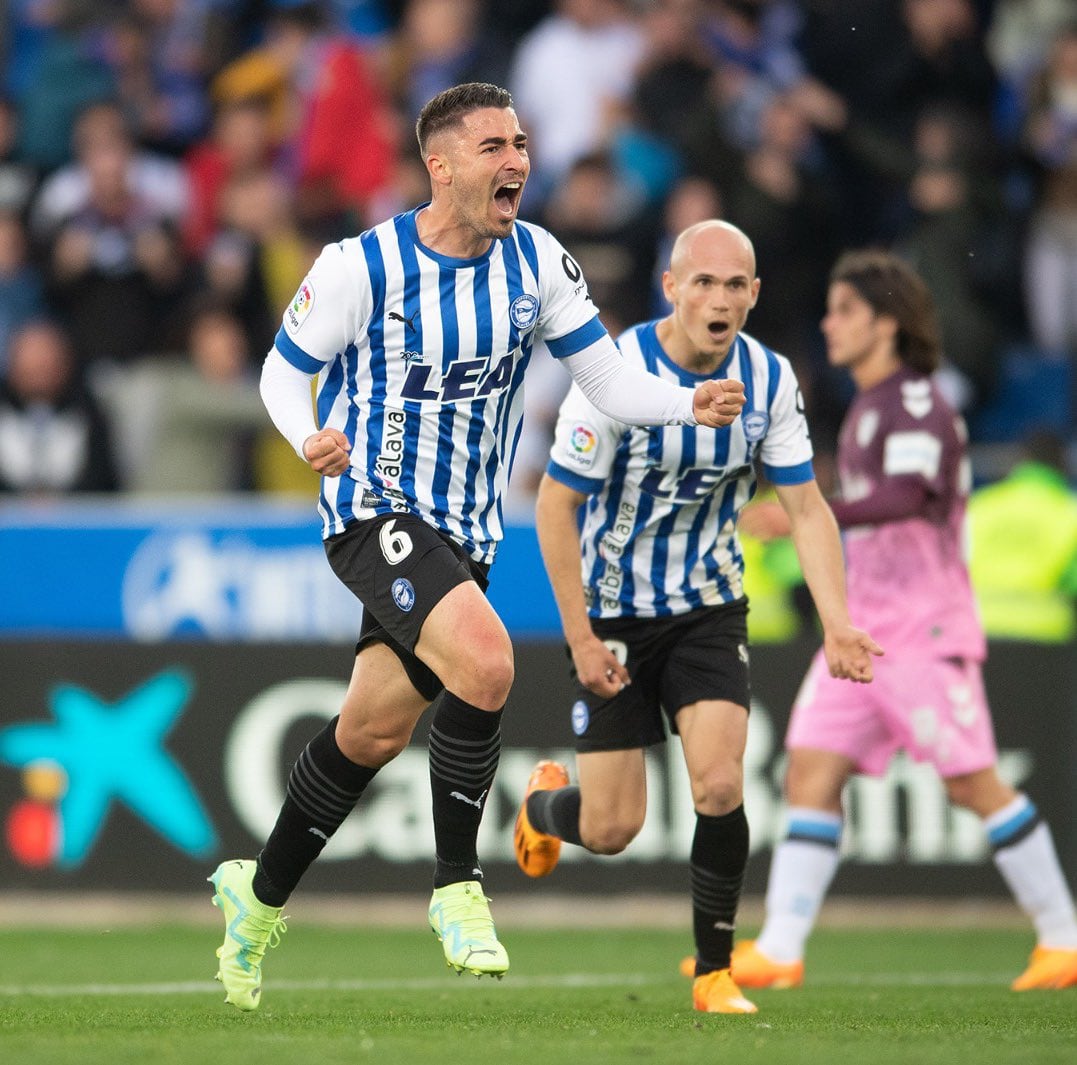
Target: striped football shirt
pixel 420 361
pixel 659 529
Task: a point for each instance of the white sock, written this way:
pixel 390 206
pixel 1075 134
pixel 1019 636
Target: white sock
pixel 804 864
pixel 1029 865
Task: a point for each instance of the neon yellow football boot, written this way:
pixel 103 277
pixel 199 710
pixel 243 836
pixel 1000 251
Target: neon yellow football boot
pixel 250 927
pixel 460 918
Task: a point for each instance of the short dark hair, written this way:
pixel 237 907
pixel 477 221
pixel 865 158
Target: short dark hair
pixel 450 106
pixel 894 288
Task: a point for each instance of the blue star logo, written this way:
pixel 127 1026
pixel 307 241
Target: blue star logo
pixel 115 752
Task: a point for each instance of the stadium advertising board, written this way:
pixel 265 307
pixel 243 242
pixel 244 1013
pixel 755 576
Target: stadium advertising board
pixel 138 766
pixel 226 570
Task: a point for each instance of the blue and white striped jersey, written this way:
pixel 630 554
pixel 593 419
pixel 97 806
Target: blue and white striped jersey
pixel 421 361
pixel 659 529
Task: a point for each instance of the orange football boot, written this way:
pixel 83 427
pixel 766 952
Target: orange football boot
pixel 536 852
pixel 717 993
pixel 752 968
pixel 1047 969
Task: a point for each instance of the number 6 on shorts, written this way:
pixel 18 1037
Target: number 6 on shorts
pixel 395 546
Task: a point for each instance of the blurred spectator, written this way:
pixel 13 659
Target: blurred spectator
pixel 753 47
pixel 197 413
pixel 599 220
pixel 61 79
pixel 326 109
pixel 103 147
pixel 409 187
pixel 21 295
pixel 238 144
pixel 1051 252
pixel 942 196
pixel 890 62
pixel 259 256
pixel 441 43
pixel 961 241
pixel 676 96
pixel 110 225
pixel 945 60
pixel 157 51
pixel 362 18
pixel 787 205
pixel 1018 38
pixel 53 437
pixel 571 76
pixel 1024 547
pixel 17 179
pixel 25 28
pixel 691 200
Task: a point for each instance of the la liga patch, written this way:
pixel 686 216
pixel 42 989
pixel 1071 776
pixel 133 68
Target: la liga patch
pixel 582 446
pixel 300 307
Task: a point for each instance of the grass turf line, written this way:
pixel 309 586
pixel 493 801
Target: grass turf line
pixel 588 997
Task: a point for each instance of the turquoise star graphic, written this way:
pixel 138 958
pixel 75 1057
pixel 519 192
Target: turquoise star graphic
pixel 115 752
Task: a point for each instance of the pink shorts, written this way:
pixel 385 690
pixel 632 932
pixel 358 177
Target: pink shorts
pixel 934 709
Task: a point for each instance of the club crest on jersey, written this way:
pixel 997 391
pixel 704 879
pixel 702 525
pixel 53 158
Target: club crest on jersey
pixel 581 717
pixel 403 594
pixel 916 398
pixel 300 307
pixel 524 310
pixel 756 423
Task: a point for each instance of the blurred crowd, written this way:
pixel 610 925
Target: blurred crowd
pixel 170 168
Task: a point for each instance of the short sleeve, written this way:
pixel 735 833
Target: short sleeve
pixel 584 445
pixel 320 321
pixel 786 451
pixel 568 319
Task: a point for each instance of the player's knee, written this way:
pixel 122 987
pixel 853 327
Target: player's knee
pixel 983 792
pixel 484 673
pixel 807 785
pixel 611 837
pixel 371 746
pixel 719 789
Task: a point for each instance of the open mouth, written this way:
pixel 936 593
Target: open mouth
pixel 719 331
pixel 507 198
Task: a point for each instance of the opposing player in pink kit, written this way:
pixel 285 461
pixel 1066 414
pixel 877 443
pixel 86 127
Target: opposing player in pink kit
pixel 904 472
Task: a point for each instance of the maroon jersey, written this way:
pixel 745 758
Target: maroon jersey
pixel 905 479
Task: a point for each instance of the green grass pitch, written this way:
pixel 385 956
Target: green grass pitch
pixel 144 996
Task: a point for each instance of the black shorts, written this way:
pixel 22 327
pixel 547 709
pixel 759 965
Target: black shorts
pixel 400 568
pixel 673 662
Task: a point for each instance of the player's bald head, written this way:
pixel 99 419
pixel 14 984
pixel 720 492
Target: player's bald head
pixel 708 238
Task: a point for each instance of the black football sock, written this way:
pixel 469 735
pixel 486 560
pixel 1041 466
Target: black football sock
pixel 719 855
pixel 465 745
pixel 323 788
pixel 556 812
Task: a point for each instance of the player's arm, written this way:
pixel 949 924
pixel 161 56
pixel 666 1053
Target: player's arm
pixel 815 535
pixel 633 396
pixel 314 328
pixel 286 395
pixel 558 536
pixel 574 334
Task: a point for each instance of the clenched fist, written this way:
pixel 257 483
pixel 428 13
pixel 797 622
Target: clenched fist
pixel 717 403
pixel 327 452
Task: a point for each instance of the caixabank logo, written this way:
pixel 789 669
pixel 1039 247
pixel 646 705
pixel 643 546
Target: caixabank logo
pixel 91 755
